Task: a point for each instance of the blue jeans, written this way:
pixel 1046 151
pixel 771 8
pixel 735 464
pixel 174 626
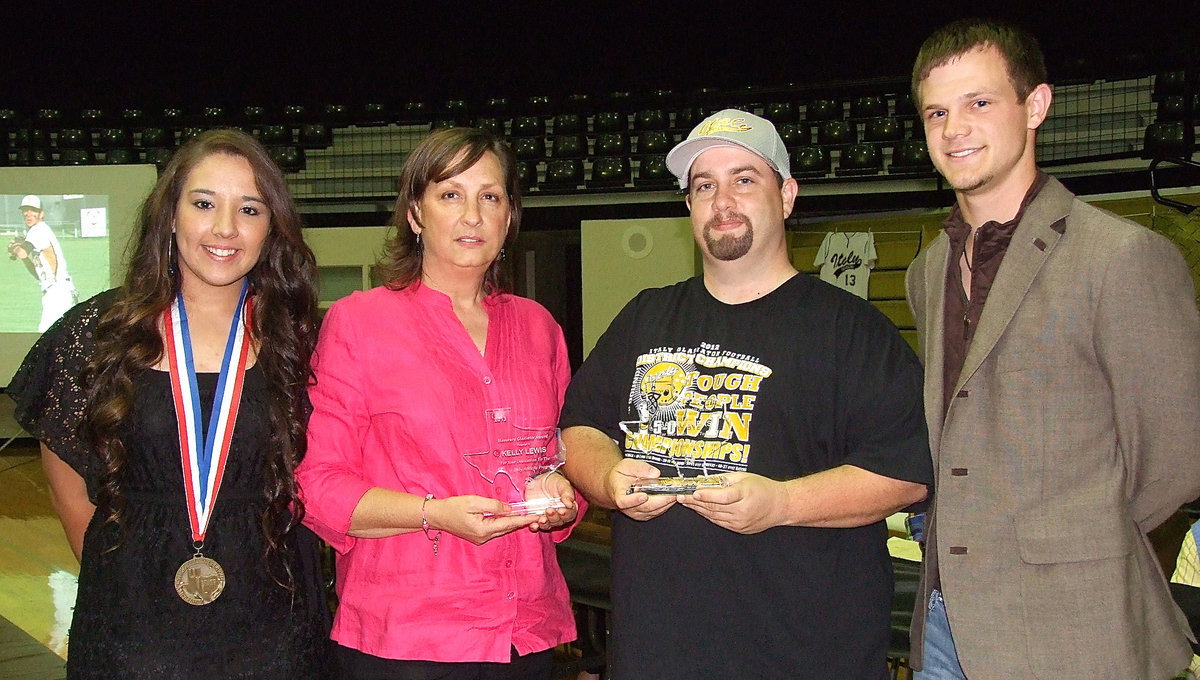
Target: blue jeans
pixel 939 657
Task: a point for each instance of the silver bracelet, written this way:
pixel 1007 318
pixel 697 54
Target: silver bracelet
pixel 425 524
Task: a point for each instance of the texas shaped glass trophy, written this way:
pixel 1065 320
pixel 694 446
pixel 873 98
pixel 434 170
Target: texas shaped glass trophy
pixel 523 458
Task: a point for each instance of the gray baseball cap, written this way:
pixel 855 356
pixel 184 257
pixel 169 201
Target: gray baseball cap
pixel 730 127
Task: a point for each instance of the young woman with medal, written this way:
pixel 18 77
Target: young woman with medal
pixel 171 414
pixel 433 430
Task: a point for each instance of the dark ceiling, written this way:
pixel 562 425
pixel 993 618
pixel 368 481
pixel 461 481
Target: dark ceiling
pixel 196 54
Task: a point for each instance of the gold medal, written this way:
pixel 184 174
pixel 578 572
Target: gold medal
pixel 200 580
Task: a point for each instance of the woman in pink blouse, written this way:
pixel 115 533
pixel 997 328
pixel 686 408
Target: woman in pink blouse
pixel 434 412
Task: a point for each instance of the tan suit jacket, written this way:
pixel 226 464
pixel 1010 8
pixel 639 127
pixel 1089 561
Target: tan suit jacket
pixel 1074 430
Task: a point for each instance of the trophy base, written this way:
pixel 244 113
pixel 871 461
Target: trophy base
pixel 537 506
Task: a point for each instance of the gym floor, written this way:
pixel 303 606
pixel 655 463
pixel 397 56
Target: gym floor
pixel 35 561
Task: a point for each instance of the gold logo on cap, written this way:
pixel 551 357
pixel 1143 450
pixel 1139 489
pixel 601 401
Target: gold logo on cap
pixel 723 125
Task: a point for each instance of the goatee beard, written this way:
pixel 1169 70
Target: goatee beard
pixel 730 247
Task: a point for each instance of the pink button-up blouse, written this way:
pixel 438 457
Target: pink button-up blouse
pixel 404 400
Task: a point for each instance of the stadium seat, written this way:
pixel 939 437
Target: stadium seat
pixel 689 117
pixel 1168 139
pixel 609 121
pixel 189 133
pixel 495 126
pixel 159 156
pixel 527 175
pixel 910 157
pixel 651 119
pixel 31 138
pixel 455 109
pixel 528 126
pixel 48 118
pixel 442 123
pixel 334 115
pixel 872 106
pixel 92 120
pixel 133 118
pixel 1173 107
pixel 860 159
pixel 74 138
pixel 655 142
pixel 794 134
pixel 316 136
pixel 372 114
pixel 157 137
pixel 611 144
pixel 496 107
pixel 653 173
pixel 76 157
pixel 578 103
pixel 23 156
pixel 569 146
pixel 416 113
pixel 121 156
pixel 10 119
pixel 115 138
pixel 810 161
pixel 781 113
pixel 563 173
pixel 904 104
pixel 254 116
pixel 288 158
pixel 621 100
pixel 275 135
pixel 820 110
pixel 884 131
pixel 568 123
pixel 539 105
pixel 662 98
pixel 296 114
pixel 529 148
pixel 836 133
pixel 1169 83
pixel 213 117
pixel 610 171
pixel 173 117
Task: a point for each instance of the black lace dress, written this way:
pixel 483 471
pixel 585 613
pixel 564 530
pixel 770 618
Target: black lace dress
pixel 129 622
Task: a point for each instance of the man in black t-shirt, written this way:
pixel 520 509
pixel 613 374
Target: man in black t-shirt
pixel 801 397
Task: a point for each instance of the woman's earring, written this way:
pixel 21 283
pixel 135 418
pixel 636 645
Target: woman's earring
pixel 418 241
pixel 171 256
pixel 501 258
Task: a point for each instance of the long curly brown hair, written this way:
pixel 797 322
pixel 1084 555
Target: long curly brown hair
pixel 283 326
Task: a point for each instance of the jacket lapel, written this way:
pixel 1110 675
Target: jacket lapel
pixel 1034 239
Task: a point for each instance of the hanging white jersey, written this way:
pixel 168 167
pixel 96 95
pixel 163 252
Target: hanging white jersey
pixel 846 260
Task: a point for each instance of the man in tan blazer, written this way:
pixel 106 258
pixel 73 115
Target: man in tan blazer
pixel 1061 347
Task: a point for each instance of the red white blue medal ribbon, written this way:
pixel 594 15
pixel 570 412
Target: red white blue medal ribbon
pixel 203 454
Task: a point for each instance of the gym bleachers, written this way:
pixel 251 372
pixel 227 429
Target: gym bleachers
pixel 851 132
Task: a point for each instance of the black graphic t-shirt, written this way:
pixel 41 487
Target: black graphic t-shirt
pixel 804 379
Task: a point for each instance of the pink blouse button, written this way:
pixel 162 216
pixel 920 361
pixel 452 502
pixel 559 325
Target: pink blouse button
pixel 487 380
